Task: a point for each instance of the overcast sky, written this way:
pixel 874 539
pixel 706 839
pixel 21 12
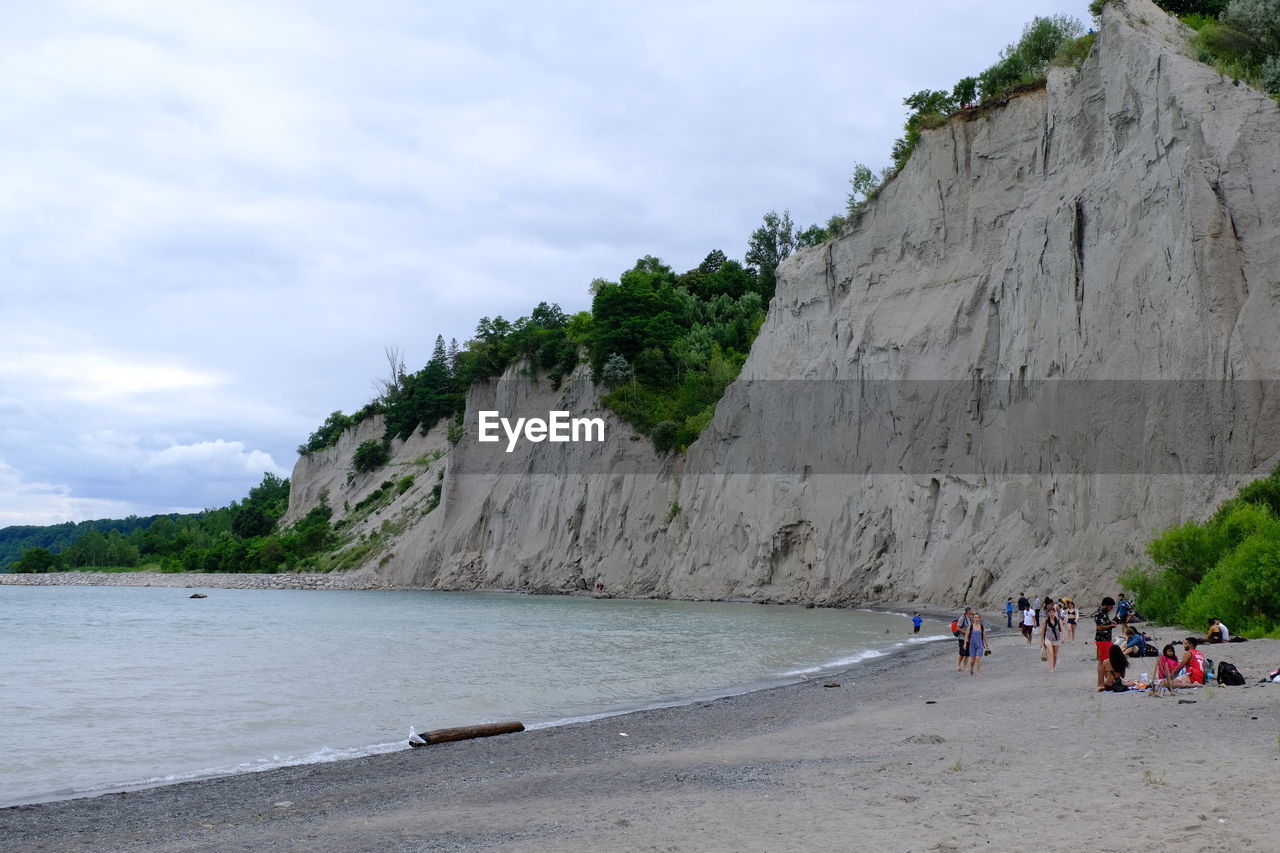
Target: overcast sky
pixel 214 216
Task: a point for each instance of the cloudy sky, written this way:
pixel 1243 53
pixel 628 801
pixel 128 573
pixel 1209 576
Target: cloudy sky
pixel 214 216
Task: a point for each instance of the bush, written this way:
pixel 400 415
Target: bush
pixel 1270 74
pixel 1228 567
pixel 38 561
pixel 664 436
pixel 1074 52
pixel 1260 19
pixel 1212 8
pixel 370 455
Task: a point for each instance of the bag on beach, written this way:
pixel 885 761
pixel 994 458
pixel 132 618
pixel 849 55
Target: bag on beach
pixel 955 627
pixel 1229 676
pixel 1044 653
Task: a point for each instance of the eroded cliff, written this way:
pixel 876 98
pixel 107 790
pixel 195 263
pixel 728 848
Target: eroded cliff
pixel 1038 347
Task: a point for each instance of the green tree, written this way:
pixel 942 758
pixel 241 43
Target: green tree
pixel 770 245
pixel 370 455
pixel 38 561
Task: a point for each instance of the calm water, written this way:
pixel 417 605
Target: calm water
pixel 103 688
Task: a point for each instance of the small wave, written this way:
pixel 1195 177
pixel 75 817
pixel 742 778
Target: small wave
pixel 324 755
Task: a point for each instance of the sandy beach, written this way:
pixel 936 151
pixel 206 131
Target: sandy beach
pixel 900 753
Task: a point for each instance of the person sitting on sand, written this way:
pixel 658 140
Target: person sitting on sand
pixel 1192 662
pixel 1111 671
pixel 1135 645
pixel 1214 634
pixel 1169 670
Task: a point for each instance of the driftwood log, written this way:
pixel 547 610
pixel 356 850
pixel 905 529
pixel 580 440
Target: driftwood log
pixel 467 732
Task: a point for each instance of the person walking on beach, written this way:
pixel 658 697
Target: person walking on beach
pixel 1051 636
pixel 1035 605
pixel 962 635
pixel 1073 615
pixel 1008 612
pixel 916 622
pixel 1028 622
pixel 976 640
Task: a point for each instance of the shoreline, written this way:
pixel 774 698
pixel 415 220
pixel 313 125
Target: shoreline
pixel 201 580
pixel 906 753
pixel 360 580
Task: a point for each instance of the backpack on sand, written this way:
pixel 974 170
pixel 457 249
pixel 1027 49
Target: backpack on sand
pixel 1229 676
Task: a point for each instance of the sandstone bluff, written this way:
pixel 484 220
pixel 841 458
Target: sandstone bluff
pixel 1119 229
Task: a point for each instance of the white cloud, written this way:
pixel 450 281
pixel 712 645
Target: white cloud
pixel 214 460
pixel 29 502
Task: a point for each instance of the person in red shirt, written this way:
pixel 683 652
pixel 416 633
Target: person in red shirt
pixel 1193 661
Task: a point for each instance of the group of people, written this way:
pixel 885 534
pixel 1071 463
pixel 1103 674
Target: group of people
pixel 1054 622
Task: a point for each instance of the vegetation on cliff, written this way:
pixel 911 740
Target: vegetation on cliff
pixel 1227 567
pixel 666 344
pixel 1239 38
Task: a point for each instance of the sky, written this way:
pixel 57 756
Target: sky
pixel 216 216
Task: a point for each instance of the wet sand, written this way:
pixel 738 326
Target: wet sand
pixel 904 754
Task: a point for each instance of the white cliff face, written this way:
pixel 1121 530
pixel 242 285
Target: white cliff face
pixel 1115 232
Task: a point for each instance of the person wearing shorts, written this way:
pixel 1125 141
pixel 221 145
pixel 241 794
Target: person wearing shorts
pixel 1103 625
pixel 1051 636
pixel 1028 623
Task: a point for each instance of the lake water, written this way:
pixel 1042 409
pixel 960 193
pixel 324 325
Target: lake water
pixel 109 688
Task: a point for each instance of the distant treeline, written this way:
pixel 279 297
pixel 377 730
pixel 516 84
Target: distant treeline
pixel 59 537
pixel 241 537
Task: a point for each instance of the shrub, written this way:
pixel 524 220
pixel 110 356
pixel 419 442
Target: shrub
pixel 404 484
pixel 1270 74
pixel 664 436
pixel 1212 8
pixel 1074 52
pixel 327 434
pixel 1260 19
pixel 38 561
pixel 1227 567
pixel 370 455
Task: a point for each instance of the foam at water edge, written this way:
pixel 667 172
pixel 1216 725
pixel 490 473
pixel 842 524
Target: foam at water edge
pixel 324 755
